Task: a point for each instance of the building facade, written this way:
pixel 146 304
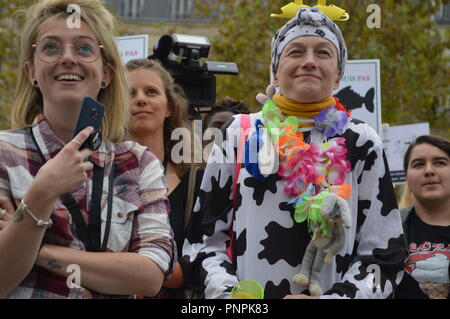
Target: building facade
pixel 160 17
pixel 443 16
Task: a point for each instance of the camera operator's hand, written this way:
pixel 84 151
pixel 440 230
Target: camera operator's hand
pixel 270 92
pixel 66 171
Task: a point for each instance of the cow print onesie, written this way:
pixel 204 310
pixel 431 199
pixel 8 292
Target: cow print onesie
pixel 268 244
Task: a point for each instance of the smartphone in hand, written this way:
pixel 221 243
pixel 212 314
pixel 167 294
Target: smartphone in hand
pixel 91 114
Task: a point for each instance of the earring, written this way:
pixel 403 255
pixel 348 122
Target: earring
pixel 35 83
pixel 103 84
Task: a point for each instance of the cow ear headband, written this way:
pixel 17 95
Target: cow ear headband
pixel 331 11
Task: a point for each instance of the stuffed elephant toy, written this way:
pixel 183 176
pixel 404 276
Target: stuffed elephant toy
pixel 321 248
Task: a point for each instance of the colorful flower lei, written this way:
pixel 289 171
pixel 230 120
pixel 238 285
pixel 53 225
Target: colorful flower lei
pixel 310 170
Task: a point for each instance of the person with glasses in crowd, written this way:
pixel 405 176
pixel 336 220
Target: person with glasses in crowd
pixel 116 230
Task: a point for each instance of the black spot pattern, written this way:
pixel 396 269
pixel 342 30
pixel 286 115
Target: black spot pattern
pixel 276 34
pixel 343 289
pixel 281 242
pixel 343 263
pixel 389 259
pixel 368 164
pixel 194 273
pixel 358 153
pixel 272 291
pixel 228 288
pixel 226 125
pixel 387 193
pixel 362 273
pixel 285 207
pixel 223 130
pixel 362 205
pixel 240 245
pixel 195 229
pixel 216 207
pixel 370 160
pixel 260 188
pixel 228 267
pixel 320 32
pixel 392 256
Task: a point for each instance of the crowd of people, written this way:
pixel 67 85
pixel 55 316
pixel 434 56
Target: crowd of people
pixel 141 224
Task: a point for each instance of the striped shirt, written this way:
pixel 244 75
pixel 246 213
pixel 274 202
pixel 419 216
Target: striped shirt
pixel 139 221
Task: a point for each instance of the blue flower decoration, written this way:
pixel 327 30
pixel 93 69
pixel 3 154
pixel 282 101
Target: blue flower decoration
pixel 331 121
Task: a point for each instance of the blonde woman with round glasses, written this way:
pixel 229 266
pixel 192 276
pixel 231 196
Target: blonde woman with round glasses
pixel 115 240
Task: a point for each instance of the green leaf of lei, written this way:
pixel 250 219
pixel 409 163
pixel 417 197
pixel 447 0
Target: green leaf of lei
pixel 273 120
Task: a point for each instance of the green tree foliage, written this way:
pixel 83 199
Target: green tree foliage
pixel 9 55
pixel 415 70
pixel 245 32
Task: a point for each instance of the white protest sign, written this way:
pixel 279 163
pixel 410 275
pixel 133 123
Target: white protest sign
pixel 133 47
pixel 360 91
pixel 396 140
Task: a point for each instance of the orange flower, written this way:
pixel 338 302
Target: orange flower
pixel 344 191
pixel 340 107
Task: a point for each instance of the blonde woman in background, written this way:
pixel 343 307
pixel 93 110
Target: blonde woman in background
pixel 158 108
pixel 129 247
pixel 406 198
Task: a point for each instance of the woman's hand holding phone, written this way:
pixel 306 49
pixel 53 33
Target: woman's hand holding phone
pixel 67 170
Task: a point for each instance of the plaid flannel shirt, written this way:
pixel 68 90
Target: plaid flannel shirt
pixel 140 209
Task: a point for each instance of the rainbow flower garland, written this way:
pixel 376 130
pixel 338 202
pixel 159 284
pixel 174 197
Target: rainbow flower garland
pixel 310 170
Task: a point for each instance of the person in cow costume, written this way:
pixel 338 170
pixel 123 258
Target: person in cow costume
pixel 308 167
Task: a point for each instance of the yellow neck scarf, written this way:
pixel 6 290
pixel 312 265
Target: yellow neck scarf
pixel 308 110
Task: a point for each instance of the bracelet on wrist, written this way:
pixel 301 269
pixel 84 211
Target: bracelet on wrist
pixel 39 222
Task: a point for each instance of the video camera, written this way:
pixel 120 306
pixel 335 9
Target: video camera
pixel 198 82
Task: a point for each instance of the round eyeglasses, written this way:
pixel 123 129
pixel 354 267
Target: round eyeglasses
pixel 51 51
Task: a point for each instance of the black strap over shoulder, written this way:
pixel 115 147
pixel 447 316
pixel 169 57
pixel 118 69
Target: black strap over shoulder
pixel 89 235
pixel 404 215
pixel 110 205
pixel 190 194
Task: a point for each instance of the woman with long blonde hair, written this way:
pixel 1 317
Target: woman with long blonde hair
pixel 158 108
pixel 99 215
